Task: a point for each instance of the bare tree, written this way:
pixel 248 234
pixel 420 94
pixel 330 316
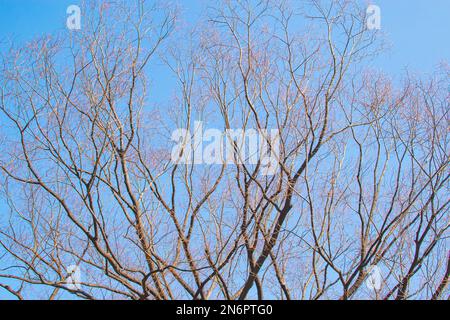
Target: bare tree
pixel 362 177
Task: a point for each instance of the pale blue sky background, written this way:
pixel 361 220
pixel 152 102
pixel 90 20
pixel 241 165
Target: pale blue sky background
pixel 418 30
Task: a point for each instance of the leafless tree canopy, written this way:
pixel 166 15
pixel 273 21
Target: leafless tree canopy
pixel 87 177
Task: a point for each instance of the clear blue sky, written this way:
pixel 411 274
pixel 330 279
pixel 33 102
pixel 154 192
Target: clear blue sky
pixel 419 30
